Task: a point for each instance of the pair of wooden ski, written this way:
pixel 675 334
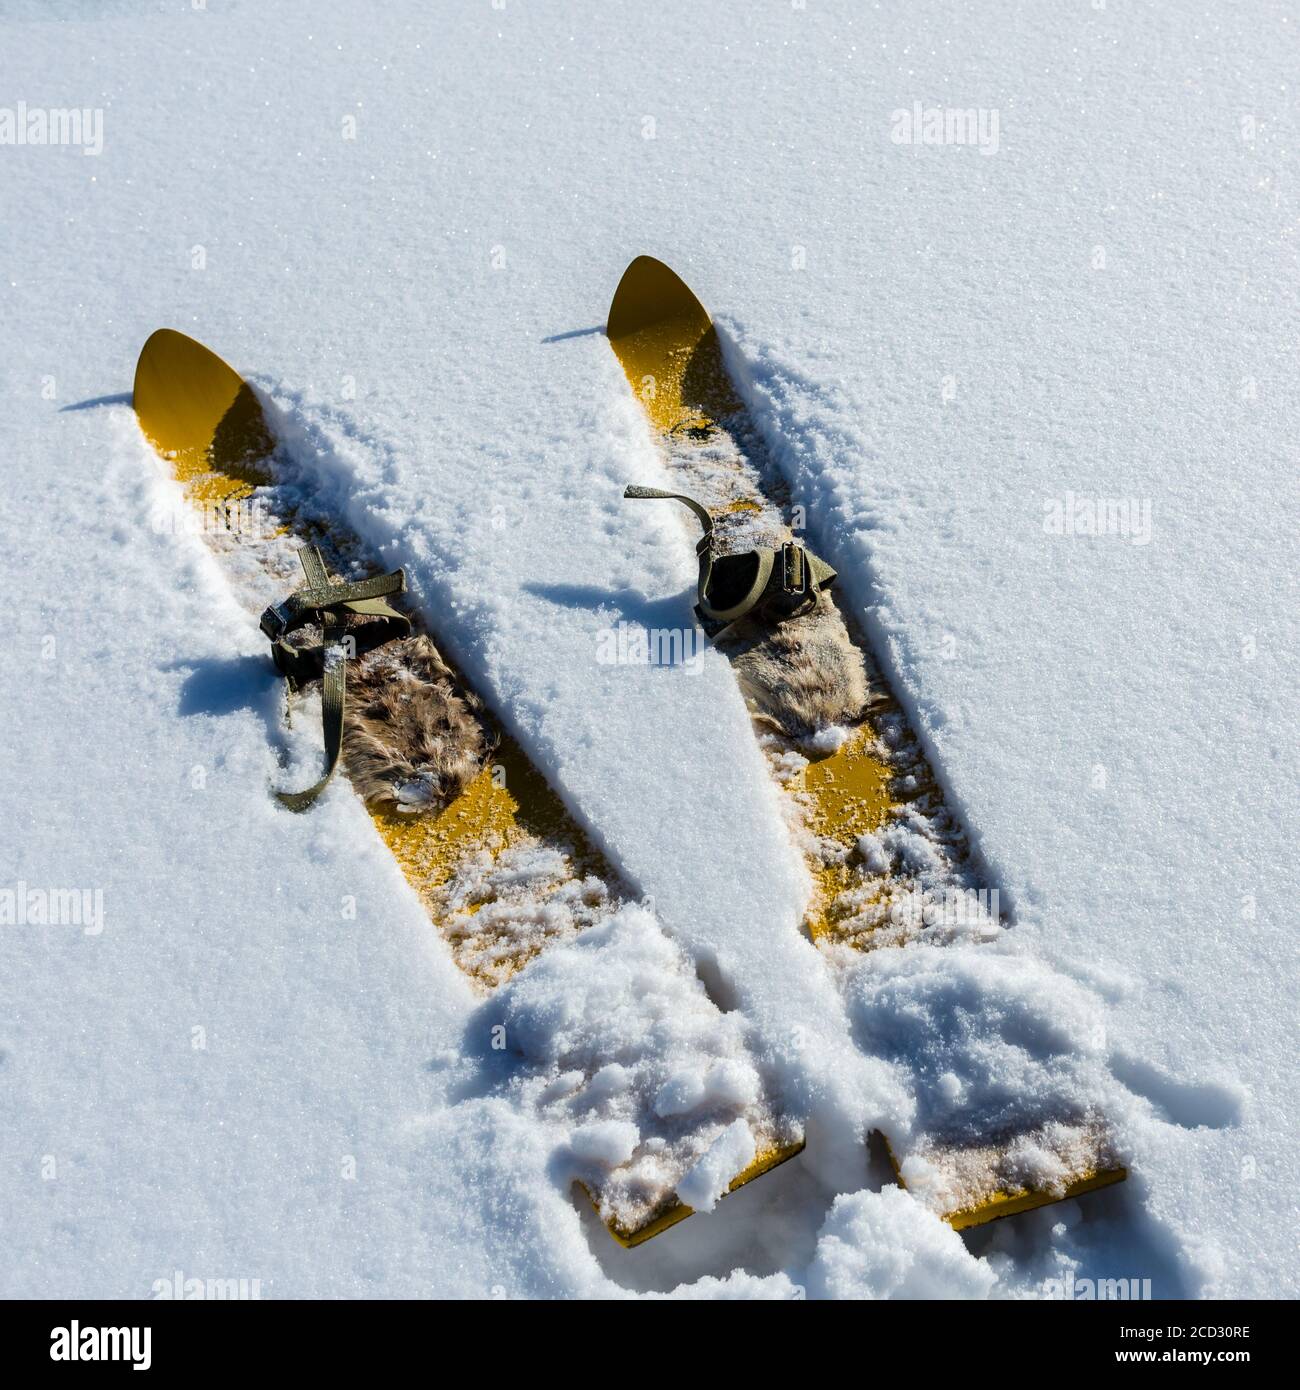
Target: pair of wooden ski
pixel 209 424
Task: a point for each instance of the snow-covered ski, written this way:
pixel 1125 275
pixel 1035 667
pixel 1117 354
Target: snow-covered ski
pixel 505 873
pixel 890 864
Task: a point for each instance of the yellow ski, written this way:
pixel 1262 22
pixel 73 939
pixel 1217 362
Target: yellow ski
pixel 853 784
pixel 208 423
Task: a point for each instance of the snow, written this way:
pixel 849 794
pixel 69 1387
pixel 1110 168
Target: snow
pixel 613 1044
pixel 267 1065
pixel 730 1153
pixel 523 901
pixel 992 1045
pixel 884 1245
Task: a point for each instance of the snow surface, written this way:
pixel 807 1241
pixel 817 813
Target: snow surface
pixel 263 1065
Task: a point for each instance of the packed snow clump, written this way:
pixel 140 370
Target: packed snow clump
pixel 1005 1063
pixel 877 1245
pixel 649 1088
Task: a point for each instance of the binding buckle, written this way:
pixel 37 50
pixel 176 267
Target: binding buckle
pixel 794 572
pixel 794 593
pixel 276 620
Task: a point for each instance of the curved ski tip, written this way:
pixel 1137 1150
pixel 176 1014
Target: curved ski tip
pixel 194 407
pixel 171 353
pixel 646 265
pixel 648 292
pixel 167 340
pixel 160 336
